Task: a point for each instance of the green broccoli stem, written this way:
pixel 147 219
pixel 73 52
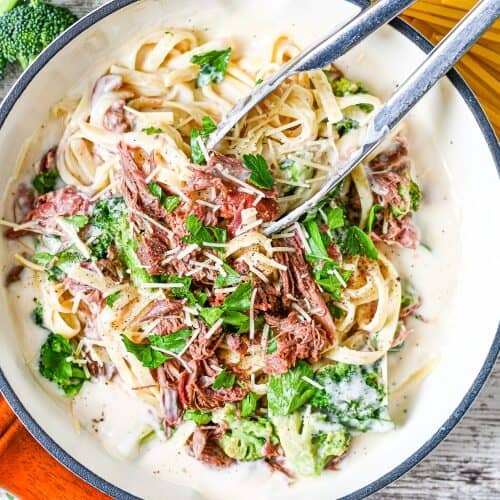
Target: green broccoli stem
pixel 6 5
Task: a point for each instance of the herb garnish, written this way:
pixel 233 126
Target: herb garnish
pixel 45 182
pixel 153 358
pixel 213 66
pixel 224 379
pixel 260 175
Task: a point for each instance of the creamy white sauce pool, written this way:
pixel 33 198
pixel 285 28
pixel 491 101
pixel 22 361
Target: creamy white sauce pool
pixel 118 420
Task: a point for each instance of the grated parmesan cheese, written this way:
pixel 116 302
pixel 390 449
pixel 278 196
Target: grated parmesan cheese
pixel 214 328
pixel 161 285
pixel 302 312
pixel 189 249
pixel 312 382
pixel 302 236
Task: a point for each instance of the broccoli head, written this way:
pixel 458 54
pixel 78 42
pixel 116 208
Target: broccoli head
pixel 26 28
pixel 111 218
pixel 244 438
pixel 354 396
pixel 309 441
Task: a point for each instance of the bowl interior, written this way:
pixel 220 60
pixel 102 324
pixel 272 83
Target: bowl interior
pixel 461 199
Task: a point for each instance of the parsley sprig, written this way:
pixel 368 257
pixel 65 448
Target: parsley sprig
pixel 207 127
pixel 213 66
pixel 153 358
pixel 260 175
pixel 200 234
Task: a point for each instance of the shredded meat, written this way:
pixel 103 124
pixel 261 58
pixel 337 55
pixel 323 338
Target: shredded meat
pixel 400 231
pixel 297 279
pixel 97 368
pixel 229 196
pixel 63 202
pixel 153 247
pixel 48 160
pixel 169 399
pixel 271 450
pixel 277 465
pixel 24 201
pixel 237 343
pixel 115 118
pixel 160 308
pixel 13 275
pixel 204 446
pixel 393 158
pixel 296 338
pixel 402 334
pixel 203 347
pixel 195 388
pixel 409 310
pixel 389 171
pixel 135 189
pixel 89 295
pixel 267 297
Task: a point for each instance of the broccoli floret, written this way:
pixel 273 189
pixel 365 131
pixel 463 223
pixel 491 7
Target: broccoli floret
pixel 244 438
pixel 56 364
pixel 353 396
pixel 26 28
pixel 296 172
pixel 343 86
pixel 309 441
pixel 37 315
pixel 111 217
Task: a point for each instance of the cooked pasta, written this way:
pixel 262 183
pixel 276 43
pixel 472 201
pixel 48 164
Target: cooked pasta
pixel 154 272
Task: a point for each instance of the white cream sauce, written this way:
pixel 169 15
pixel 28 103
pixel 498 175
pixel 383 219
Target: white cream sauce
pixel 119 420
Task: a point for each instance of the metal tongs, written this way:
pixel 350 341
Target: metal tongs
pixel 337 43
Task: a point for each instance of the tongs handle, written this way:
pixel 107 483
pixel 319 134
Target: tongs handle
pixel 435 66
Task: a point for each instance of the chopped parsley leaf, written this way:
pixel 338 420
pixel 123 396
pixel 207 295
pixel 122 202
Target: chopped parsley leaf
pixel 343 86
pixel 357 242
pixel 45 182
pixel 197 416
pixel 79 221
pixel 415 196
pixel 248 404
pixel 153 358
pixel 111 299
pixel 286 393
pixel 151 130
pixel 260 175
pixel 201 234
pixel 37 315
pixel 239 300
pixel 224 379
pixel 213 66
pixel 207 127
pixel 231 278
pixel 168 202
pixel 372 216
pixel 367 108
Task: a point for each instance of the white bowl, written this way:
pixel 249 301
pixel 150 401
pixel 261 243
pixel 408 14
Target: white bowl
pixel 448 131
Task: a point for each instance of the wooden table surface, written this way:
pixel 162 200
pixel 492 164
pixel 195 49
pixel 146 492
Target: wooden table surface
pixel 467 464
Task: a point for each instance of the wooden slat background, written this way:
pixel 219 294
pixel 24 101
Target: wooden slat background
pixel 467 464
